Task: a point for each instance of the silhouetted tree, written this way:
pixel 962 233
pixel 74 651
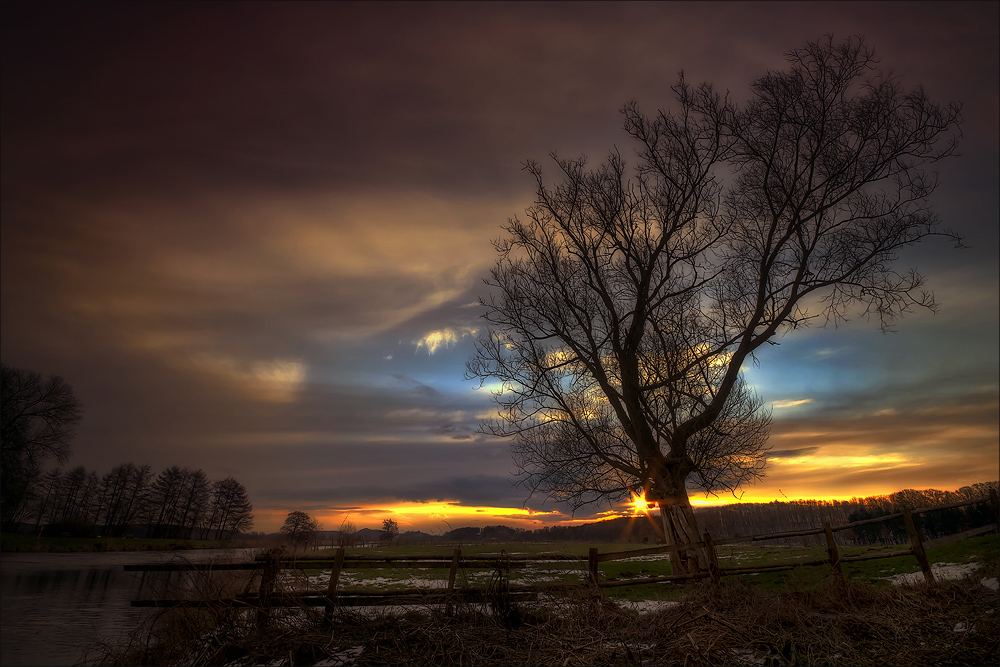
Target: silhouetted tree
pixel 164 501
pixel 347 532
pixel 390 529
pixel 232 511
pixel 194 498
pixel 47 496
pixel 37 420
pixel 626 303
pixel 299 526
pixel 126 490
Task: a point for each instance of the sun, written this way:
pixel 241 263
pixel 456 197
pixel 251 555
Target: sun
pixel 640 504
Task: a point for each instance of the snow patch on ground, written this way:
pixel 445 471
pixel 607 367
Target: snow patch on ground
pixel 941 572
pixel 343 658
pixel 645 606
pixel 349 579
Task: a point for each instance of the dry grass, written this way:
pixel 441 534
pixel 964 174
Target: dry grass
pixel 728 625
pixel 953 623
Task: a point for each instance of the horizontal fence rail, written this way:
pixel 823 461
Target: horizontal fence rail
pixel 270 565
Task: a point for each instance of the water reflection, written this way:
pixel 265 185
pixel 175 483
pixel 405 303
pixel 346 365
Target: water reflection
pixel 53 605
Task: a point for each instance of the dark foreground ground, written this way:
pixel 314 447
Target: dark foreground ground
pixel 834 623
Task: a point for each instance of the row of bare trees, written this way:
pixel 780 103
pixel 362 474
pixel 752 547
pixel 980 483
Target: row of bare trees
pixel 177 503
pixel 37 422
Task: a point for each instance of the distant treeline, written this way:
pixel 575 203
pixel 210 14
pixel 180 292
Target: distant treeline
pixel 179 503
pixel 774 517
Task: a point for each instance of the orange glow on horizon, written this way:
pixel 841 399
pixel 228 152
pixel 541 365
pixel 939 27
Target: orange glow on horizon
pixel 440 516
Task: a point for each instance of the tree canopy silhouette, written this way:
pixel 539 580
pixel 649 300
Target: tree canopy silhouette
pixel 37 421
pixel 299 526
pixel 390 530
pixel 628 299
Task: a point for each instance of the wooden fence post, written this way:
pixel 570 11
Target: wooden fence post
pixel 592 565
pixel 455 559
pixel 918 546
pixel 713 559
pixel 331 589
pixel 268 581
pixel 831 549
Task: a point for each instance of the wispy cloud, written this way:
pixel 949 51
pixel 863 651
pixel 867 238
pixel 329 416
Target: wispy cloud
pixel 791 453
pixel 790 403
pixel 414 386
pixel 444 338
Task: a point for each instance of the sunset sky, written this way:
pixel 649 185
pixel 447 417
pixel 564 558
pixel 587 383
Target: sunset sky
pixel 252 238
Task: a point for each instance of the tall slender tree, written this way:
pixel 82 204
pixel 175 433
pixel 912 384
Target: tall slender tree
pixel 232 511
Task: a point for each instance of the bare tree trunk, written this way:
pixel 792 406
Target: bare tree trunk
pixel 680 527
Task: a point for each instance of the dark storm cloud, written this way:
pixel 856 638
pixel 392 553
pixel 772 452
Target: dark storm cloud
pixel 213 88
pixel 415 471
pixel 338 95
pixel 486 490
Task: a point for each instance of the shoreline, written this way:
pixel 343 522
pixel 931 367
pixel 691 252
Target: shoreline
pixel 20 543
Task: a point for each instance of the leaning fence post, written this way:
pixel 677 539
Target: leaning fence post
pixel 331 589
pixel 831 549
pixel 455 558
pixel 918 546
pixel 713 558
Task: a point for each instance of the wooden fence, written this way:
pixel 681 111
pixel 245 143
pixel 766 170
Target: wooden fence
pixel 270 565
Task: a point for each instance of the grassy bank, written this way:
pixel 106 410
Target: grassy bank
pixel 10 543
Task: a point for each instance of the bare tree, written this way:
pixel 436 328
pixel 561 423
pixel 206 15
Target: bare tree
pixel 232 511
pixel 299 527
pixel 390 530
pixel 194 498
pixel 127 492
pixel 627 301
pixel 165 501
pixel 47 496
pixel 348 532
pixel 37 421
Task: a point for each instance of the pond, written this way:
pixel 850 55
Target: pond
pixel 52 606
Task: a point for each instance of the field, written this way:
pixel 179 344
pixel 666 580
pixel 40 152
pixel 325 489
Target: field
pixel 799 617
pixel 981 551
